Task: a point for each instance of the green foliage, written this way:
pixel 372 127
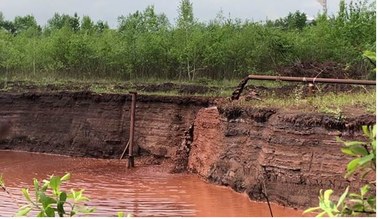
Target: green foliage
pixel 2 185
pixel 356 23
pixel 364 152
pixel 353 204
pixel 294 21
pixel 146 45
pixel 60 21
pixel 186 16
pixel 371 56
pixel 50 201
pixel 122 214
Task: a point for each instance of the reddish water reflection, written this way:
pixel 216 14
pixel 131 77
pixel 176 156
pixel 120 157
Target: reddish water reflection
pixel 143 191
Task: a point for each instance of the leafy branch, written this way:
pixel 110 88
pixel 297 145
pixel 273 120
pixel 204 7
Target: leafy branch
pixel 353 204
pixel 50 200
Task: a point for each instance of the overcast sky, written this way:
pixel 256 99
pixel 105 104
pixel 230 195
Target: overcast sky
pixel 204 10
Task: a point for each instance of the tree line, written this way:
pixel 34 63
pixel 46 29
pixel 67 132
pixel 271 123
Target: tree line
pixel 147 45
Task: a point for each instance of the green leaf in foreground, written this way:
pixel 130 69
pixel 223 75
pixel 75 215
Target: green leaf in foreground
pixel 24 210
pixel 366 159
pixel 63 197
pixel 49 212
pixel 26 194
pixel 352 204
pixel 55 183
pixel 311 210
pixel 120 214
pixel 51 200
pixel 66 177
pixel 342 197
pixel 352 166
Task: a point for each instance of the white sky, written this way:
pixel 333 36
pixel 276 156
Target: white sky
pixel 204 10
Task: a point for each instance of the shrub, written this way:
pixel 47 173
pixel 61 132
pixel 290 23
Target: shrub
pixel 50 200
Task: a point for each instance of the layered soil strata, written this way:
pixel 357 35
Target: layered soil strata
pixel 291 155
pixel 95 125
pixel 288 155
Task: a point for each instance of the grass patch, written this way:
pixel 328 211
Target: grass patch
pixel 45 78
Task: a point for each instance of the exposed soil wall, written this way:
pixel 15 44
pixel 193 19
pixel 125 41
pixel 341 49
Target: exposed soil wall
pixel 94 125
pixel 292 154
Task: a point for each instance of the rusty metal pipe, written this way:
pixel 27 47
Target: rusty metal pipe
pixel 312 80
pixel 132 126
pixel 236 94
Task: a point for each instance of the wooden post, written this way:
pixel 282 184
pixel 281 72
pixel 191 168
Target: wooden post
pixel 132 124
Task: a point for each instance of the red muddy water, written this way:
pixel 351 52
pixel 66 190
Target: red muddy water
pixel 143 191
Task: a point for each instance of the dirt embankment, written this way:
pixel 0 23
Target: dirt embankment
pixel 95 125
pixel 293 155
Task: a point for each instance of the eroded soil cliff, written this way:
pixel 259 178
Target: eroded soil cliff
pixel 291 154
pixel 95 125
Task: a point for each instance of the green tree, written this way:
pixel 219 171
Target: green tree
pixel 101 26
pixel 87 24
pixel 59 21
pixel 357 24
pixel 296 20
pixel 6 25
pixel 146 45
pixel 186 16
pixel 144 42
pixel 185 25
pixel 23 24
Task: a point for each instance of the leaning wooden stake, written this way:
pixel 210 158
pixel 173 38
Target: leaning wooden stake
pixel 132 124
pixel 124 150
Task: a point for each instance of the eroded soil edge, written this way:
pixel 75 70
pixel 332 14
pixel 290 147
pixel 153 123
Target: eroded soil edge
pixel 294 154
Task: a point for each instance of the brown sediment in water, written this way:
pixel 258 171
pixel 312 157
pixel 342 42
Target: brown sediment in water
pixel 293 153
pixel 144 191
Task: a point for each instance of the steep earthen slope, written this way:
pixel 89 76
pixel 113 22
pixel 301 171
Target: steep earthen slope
pixel 292 155
pixel 95 125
